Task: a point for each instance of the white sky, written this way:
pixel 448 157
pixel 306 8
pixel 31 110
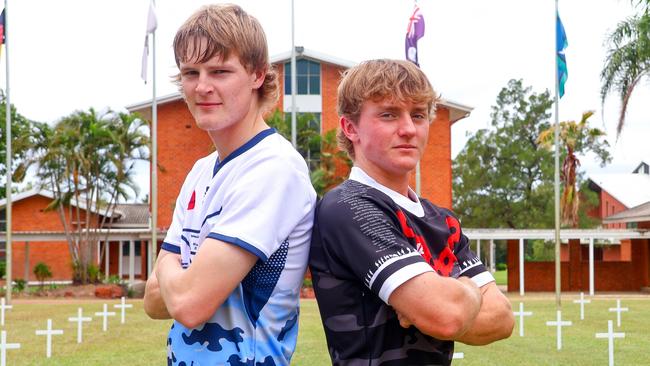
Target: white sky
pixel 73 54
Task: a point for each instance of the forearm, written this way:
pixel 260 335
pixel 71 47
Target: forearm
pixel 171 285
pixel 494 320
pixel 442 307
pixel 154 305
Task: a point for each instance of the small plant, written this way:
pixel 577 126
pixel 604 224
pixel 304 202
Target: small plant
pixel 42 272
pixel 3 269
pixel 501 266
pixel 114 280
pixel 94 274
pixel 19 285
pixel 307 282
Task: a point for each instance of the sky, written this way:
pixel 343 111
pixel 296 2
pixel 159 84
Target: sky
pixel 75 54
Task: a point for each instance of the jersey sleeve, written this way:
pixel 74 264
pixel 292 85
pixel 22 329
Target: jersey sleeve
pixel 268 201
pixel 360 239
pixel 470 264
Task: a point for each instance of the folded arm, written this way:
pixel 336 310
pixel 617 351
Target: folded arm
pixel 442 307
pixel 154 305
pixel 493 322
pixel 193 295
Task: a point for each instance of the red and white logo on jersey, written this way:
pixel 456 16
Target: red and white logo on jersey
pixel 190 206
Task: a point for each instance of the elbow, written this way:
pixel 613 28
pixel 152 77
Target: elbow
pixel 509 324
pixel 188 313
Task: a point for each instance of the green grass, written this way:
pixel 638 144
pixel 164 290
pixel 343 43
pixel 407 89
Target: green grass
pixel 501 277
pixel 141 341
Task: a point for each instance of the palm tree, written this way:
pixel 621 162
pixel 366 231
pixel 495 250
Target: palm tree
pixel 574 137
pixel 87 159
pixel 628 59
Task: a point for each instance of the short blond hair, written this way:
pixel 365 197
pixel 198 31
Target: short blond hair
pixel 378 80
pixel 227 28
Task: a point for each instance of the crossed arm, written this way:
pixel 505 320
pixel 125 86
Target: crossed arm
pixel 192 296
pixel 453 309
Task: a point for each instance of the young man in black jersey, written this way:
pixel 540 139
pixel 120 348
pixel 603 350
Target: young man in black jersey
pixel 395 279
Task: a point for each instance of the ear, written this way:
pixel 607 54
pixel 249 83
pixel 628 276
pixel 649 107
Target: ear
pixel 349 129
pixel 258 78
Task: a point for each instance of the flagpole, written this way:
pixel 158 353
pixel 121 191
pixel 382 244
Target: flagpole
pixel 154 153
pixel 8 243
pixel 558 268
pixel 294 138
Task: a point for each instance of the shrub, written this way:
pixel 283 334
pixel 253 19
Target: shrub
pixel 19 285
pixel 94 273
pixel 3 269
pixel 501 266
pixel 42 272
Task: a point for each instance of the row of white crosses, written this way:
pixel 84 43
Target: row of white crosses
pixel 49 332
pixel 559 323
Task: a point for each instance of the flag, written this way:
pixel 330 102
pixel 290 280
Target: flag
pixel 414 32
pixel 561 43
pixel 2 30
pixel 152 24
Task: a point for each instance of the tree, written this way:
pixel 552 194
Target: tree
pixel 86 160
pixel 319 151
pixel 504 176
pixel 628 59
pixel 22 138
pixel 575 137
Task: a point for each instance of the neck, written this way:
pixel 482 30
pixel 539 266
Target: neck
pixel 398 182
pixel 229 139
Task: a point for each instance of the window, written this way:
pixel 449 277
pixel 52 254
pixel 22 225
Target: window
pixel 307 77
pixel 3 220
pixel 125 248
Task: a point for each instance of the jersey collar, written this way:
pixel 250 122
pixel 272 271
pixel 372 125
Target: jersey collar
pixel 411 205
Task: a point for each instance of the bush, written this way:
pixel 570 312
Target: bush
pixel 3 269
pixel 94 273
pixel 114 280
pixel 42 272
pixel 19 285
pixel 501 266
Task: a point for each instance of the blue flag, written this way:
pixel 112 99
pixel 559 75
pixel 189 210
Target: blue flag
pixel 561 44
pixel 414 32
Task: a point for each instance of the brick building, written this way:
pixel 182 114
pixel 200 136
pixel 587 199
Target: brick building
pixel 181 143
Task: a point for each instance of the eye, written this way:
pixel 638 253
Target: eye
pixel 188 73
pixel 387 115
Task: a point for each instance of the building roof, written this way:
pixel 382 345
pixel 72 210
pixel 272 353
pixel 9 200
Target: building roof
pixel 132 215
pixel 457 111
pixel 631 189
pixel 47 194
pixel 638 213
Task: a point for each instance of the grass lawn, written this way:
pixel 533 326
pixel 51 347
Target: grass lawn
pixel 142 341
pixel 501 277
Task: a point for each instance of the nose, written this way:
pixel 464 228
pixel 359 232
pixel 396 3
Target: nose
pixel 203 86
pixel 406 126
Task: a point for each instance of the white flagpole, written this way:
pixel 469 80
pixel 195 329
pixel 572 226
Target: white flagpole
pixel 294 138
pixel 8 163
pixel 154 151
pixel 558 281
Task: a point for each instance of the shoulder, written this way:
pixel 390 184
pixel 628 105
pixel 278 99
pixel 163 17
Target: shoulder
pixel 352 199
pixel 432 210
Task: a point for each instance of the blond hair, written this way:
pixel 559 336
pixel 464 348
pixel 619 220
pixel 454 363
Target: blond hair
pixel 378 80
pixel 227 28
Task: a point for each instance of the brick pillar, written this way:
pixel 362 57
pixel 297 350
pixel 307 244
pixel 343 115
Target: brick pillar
pixel 640 263
pixel 513 265
pixel 574 272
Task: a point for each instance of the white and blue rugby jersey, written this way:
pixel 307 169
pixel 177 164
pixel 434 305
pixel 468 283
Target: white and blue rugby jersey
pixel 259 198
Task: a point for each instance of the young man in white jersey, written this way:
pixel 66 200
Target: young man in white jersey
pixel 232 263
pixel 395 279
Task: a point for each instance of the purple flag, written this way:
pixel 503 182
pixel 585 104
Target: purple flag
pixel 414 32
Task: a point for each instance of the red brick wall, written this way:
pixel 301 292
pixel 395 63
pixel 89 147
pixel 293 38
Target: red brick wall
pixel 29 215
pixel 435 166
pixel 608 276
pixel 180 144
pixel 608 206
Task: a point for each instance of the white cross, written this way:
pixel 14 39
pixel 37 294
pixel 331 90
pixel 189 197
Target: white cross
pixel 79 319
pixel 559 323
pixel 105 314
pixel 123 306
pixel 522 314
pixel 582 303
pixel 610 335
pixel 4 346
pixel 49 333
pixel 458 355
pixel 3 307
pixel 618 309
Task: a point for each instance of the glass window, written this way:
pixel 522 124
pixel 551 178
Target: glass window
pixel 3 220
pixel 307 77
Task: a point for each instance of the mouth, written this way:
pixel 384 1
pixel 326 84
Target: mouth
pixel 406 146
pixel 207 104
